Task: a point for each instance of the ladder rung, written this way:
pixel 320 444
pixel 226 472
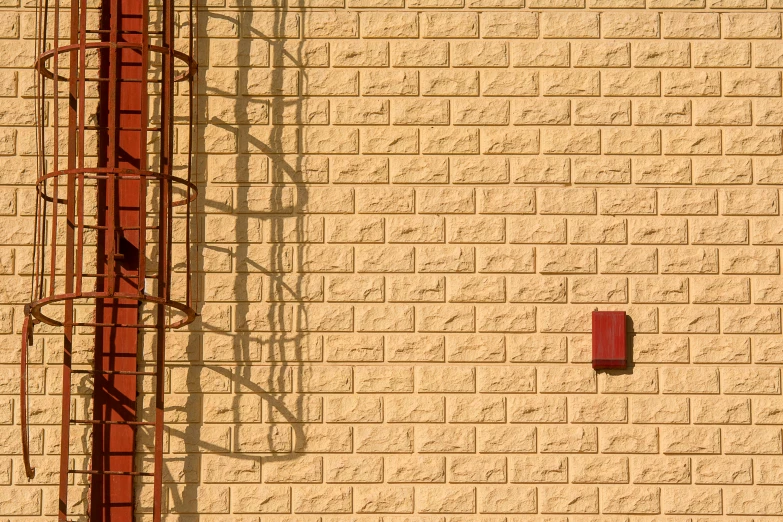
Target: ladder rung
pixel 112 372
pixel 128 423
pixel 124 80
pixel 117 325
pixel 102 472
pixel 107 31
pixel 96 128
pixel 103 227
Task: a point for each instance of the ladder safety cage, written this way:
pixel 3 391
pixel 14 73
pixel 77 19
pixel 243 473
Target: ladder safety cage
pixel 112 218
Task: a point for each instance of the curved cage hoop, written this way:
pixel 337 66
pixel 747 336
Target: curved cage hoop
pixel 38 310
pixel 40 63
pixel 185 185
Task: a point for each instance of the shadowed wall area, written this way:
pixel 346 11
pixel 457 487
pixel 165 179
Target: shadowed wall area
pixel 408 211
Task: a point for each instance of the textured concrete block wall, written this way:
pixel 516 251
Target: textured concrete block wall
pixel 408 212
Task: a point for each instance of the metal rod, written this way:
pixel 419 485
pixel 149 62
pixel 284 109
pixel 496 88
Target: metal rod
pixel 110 237
pixel 103 472
pixel 82 139
pixel 164 264
pixel 56 145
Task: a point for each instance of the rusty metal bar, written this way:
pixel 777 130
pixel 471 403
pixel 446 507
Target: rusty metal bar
pixel 112 141
pixel 96 472
pixel 82 139
pixel 56 145
pixel 143 161
pixel 70 217
pixel 164 247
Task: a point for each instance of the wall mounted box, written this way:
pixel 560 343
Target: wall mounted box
pixel 609 351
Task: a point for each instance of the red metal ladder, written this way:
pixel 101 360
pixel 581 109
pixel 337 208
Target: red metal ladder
pixel 121 284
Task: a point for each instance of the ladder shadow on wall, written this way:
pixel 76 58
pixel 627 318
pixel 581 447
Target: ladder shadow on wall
pixel 266 337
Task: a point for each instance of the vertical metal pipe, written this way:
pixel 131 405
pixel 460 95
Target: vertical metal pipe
pixel 82 99
pixel 164 242
pixel 70 217
pixel 56 146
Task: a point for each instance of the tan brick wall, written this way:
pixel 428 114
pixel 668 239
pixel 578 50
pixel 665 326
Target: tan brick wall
pixel 408 213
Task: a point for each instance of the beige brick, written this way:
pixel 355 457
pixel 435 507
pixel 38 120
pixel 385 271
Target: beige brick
pixel 599 410
pixel 642 381
pixel 220 468
pixel 486 469
pixel 767 472
pixel 384 439
pixel 716 231
pixel 750 380
pixel 630 440
pixel 450 25
pixel 507 499
pixel 476 348
pixel 348 468
pixel 573 319
pixel 502 141
pixel 446 439
pixel 536 54
pixel 498 318
pixel 569 25
pixel 710 410
pixel 446 259
pixel 752 25
pixel 389 24
pixel 602 170
pixel 720 349
pixel 682 439
pixel 566 380
pixel 574 499
pixel 538 289
pixel 752 441
pixel 320 499
pixel 703 501
pixel 483 170
pixel 757 83
pixel 630 25
pixel 633 499
pixel 570 83
pixel 415 348
pixel 390 379
pixel 537 409
pixel 767 501
pixel 657 410
pixel 631 83
pixel 389 83
pixel 661 470
pixel 518 24
pixel 766 349
pixel 601 54
pixel 353 410
pixel 661 349
pixel 451 499
pixel 544 468
pixel 478 289
pixel 384 499
pixel 419 468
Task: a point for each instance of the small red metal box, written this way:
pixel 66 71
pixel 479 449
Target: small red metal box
pixel 609 340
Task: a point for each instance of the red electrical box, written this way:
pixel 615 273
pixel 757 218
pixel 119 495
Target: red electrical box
pixel 609 350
